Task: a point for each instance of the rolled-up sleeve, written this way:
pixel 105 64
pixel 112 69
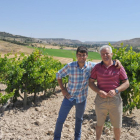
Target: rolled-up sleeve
pixel 63 72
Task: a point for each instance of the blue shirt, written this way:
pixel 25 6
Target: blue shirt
pixel 78 79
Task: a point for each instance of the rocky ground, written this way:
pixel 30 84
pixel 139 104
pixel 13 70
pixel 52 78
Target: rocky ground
pixel 37 121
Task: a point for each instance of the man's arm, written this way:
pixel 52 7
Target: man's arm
pixel 92 85
pixel 62 73
pixel 63 89
pixel 122 87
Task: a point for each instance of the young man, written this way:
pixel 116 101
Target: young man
pixel 77 91
pixel 110 82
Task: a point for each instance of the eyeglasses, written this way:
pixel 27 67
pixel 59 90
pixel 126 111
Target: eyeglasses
pixel 79 55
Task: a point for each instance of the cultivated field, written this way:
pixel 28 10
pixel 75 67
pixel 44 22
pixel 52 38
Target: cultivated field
pixel 37 121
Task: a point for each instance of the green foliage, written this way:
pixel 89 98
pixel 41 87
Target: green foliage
pixel 31 74
pixel 6 97
pixel 107 124
pixel 131 62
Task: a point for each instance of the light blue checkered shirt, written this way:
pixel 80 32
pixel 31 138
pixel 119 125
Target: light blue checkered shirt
pixel 78 79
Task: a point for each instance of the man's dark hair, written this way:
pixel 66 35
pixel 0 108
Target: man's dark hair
pixel 82 49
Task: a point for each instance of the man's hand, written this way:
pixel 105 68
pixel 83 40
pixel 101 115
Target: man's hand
pixel 103 94
pixel 65 93
pixel 111 93
pixel 118 64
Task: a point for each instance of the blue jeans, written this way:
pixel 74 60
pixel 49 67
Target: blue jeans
pixel 64 110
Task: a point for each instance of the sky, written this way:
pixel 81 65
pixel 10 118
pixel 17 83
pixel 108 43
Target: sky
pixel 83 20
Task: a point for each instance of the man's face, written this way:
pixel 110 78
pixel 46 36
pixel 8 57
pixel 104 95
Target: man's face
pixel 106 55
pixel 81 57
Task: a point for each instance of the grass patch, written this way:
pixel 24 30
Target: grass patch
pixel 68 53
pixel 58 52
pixel 94 55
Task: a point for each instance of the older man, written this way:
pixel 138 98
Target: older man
pixel 110 82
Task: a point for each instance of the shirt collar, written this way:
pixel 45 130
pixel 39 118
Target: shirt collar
pixel 77 65
pixel 103 62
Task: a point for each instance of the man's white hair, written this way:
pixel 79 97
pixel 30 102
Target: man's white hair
pixel 104 47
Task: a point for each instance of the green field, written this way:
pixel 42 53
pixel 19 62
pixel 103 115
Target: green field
pixel 68 53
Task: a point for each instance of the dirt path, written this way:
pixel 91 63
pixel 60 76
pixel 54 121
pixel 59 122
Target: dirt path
pixel 37 122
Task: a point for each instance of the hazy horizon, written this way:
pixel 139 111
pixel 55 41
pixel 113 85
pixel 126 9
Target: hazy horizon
pixel 76 20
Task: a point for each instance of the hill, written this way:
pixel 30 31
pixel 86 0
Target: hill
pixel 60 41
pixel 16 38
pixel 23 40
pixel 99 42
pixel 135 42
pixel 7 47
pixel 26 40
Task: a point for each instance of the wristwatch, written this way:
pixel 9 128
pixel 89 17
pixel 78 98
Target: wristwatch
pixel 116 91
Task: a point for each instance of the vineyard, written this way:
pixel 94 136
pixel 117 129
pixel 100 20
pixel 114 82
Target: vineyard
pixel 31 74
pixel 36 73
